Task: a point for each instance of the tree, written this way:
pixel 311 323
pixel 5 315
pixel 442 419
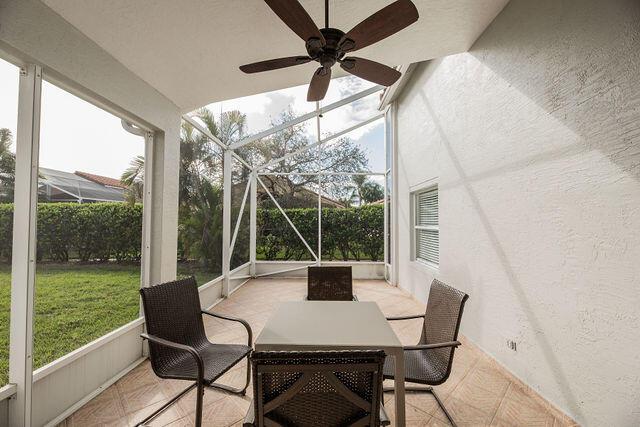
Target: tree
pixel 365 191
pixel 7 166
pixel 133 178
pixel 342 156
pixel 371 192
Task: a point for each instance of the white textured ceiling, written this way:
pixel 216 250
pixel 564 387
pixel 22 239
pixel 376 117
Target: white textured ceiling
pixel 190 50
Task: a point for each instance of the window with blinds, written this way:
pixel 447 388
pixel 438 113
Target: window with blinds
pixel 426 229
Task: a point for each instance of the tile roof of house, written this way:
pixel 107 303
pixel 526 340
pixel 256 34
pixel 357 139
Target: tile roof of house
pixel 102 180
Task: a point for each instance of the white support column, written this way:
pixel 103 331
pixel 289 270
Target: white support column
pixel 253 222
pixel 387 273
pixel 226 220
pixel 23 268
pixel 145 279
pixel 393 140
pixel 163 215
pixel 320 183
pixel 318 141
pixel 145 270
pixel 387 268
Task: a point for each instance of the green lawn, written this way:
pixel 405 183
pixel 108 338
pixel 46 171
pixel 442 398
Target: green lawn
pixel 76 304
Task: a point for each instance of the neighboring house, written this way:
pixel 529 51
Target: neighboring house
pixel 80 187
pixel 102 180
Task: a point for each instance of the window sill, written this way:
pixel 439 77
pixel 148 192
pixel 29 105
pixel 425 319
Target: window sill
pixel 425 265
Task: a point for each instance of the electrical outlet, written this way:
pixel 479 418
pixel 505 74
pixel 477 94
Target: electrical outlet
pixel 512 345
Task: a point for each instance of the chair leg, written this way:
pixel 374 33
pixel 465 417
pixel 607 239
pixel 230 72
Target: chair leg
pixel 166 405
pixel 241 391
pixel 199 399
pixel 428 389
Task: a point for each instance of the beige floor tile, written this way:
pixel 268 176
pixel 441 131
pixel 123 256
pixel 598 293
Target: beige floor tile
pixel 489 378
pixel 170 415
pixel 140 375
pixel 222 413
pixel 182 422
pixel 414 416
pixel 188 402
pixel 104 410
pixel 478 398
pixel 141 397
pixel 464 414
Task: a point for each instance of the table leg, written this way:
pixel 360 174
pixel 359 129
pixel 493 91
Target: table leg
pixel 399 388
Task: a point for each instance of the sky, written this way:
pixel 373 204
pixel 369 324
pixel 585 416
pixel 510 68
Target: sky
pixel 78 136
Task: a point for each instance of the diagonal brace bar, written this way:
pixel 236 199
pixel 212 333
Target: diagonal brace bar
pixel 287 218
pixel 204 131
pixel 237 228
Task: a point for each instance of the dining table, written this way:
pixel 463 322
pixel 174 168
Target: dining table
pixel 335 325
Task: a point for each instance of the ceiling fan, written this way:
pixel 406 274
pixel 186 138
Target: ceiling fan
pixel 330 45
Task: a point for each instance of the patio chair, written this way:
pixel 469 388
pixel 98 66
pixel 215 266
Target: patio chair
pixel 178 346
pixel 330 284
pixel 317 388
pixel 430 361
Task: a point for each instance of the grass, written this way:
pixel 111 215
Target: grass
pixel 75 304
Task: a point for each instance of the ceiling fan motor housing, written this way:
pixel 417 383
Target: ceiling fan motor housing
pixel 331 52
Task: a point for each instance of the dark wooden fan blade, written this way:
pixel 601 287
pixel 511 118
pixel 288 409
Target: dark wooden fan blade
pixel 370 70
pixel 296 18
pixel 274 64
pixel 319 84
pixel 385 22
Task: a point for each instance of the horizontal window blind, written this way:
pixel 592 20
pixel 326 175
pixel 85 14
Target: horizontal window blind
pixel 427 205
pixel 427 232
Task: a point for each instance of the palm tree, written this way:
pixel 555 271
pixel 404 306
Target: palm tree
pixel 7 166
pixel 358 183
pixel 133 178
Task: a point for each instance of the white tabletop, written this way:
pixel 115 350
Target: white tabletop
pixel 327 325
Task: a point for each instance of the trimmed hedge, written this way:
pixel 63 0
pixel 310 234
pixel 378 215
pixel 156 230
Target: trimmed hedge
pixel 347 234
pixel 112 231
pixel 86 232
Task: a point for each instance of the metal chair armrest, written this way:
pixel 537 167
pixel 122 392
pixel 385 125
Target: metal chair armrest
pixel 413 316
pixel 192 351
pixel 433 346
pixel 234 319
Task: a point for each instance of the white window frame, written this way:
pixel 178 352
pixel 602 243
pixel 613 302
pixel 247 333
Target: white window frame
pixel 415 227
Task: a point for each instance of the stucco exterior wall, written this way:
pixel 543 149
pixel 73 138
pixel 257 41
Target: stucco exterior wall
pixel 533 138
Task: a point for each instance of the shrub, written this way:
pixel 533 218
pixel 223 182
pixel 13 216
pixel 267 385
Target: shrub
pixel 87 232
pixel 112 231
pixel 347 234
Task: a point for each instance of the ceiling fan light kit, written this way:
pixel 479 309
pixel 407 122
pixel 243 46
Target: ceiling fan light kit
pixel 329 46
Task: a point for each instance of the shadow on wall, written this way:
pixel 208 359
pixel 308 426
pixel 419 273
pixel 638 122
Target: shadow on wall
pixel 582 67
pixel 552 361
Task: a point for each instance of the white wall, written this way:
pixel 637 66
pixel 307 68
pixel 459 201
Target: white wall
pixel 534 140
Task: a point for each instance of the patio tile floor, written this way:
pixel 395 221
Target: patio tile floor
pixel 479 391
